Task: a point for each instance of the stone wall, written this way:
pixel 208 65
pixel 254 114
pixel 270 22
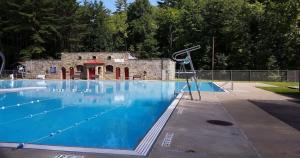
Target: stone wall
pixel 73 59
pixel 42 67
pixel 152 69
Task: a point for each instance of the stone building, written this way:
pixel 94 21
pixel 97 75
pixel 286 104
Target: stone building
pixel 101 66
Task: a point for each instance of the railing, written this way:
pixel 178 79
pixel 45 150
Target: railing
pixel 226 78
pixel 5 74
pixel 183 58
pixel 3 62
pixel 250 75
pixel 17 75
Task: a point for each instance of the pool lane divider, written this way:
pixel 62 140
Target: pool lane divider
pixel 30 116
pixel 74 125
pixel 21 104
pixel 10 90
pixel 141 150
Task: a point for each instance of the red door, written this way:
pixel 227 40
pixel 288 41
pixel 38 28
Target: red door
pixel 118 73
pixel 126 73
pixel 71 73
pixel 64 71
pixel 92 73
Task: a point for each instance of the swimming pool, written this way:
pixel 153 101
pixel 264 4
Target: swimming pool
pixel 85 114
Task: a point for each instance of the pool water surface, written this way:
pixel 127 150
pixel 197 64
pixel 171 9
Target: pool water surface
pixel 91 114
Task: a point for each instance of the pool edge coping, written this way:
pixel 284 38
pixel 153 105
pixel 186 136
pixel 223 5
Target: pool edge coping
pixel 225 90
pixel 142 149
pixel 147 142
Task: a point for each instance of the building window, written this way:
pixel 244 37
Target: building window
pixel 109 69
pixel 52 69
pixel 79 68
pixel 109 58
pixel 79 57
pixel 94 57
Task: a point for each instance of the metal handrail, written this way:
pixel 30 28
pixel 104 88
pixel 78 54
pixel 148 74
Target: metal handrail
pixel 187 60
pixel 3 62
pixel 182 52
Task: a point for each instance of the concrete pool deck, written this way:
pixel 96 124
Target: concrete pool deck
pixel 255 133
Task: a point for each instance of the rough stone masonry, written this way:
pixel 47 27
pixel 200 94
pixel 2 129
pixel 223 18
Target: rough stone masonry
pixel 102 66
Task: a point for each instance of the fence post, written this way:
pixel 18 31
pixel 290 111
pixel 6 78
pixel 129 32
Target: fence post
pixel 212 75
pixel 231 79
pixel 286 79
pixel 249 75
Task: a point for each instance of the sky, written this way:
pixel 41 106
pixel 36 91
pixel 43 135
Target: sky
pixel 110 4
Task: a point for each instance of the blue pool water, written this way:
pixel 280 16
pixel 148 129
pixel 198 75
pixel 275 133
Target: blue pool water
pixel 95 114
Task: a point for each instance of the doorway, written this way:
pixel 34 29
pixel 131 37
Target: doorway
pixel 91 73
pixel 64 73
pixel 71 73
pixel 118 73
pixel 126 73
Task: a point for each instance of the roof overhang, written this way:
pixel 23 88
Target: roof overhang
pixel 94 62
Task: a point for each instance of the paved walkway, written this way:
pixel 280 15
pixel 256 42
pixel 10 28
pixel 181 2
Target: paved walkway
pixel 271 137
pixel 194 137
pixel 255 134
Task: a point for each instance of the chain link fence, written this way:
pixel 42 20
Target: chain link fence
pixel 6 74
pixel 249 75
pixel 218 75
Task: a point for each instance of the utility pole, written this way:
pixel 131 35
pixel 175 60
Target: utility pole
pixel 213 58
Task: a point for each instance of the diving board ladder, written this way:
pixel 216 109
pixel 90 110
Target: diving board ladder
pixel 3 62
pixel 183 57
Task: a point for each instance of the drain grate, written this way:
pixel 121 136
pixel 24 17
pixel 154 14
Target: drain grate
pixel 68 156
pixel 190 151
pixel 219 122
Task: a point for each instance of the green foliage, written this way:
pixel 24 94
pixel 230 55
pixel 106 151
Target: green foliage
pixel 97 36
pixel 36 29
pixel 121 6
pixel 118 28
pixel 142 29
pixel 252 34
pixel 283 88
pixel 247 33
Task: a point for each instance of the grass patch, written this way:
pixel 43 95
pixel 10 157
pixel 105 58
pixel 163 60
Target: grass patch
pixel 282 88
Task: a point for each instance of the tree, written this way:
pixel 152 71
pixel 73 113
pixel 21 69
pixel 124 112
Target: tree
pixel 121 6
pixel 142 29
pixel 37 29
pixel 97 36
pixel 118 28
pixel 168 21
pixel 28 24
pixel 251 34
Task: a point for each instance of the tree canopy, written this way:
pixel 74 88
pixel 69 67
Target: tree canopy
pixel 249 34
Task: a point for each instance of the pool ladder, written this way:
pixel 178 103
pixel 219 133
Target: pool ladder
pixel 3 62
pixel 183 57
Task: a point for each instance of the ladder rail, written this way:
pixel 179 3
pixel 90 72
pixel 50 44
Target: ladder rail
pixel 187 60
pixel 3 62
pixel 182 52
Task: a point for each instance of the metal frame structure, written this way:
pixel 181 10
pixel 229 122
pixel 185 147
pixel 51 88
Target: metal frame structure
pixel 3 62
pixel 183 57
